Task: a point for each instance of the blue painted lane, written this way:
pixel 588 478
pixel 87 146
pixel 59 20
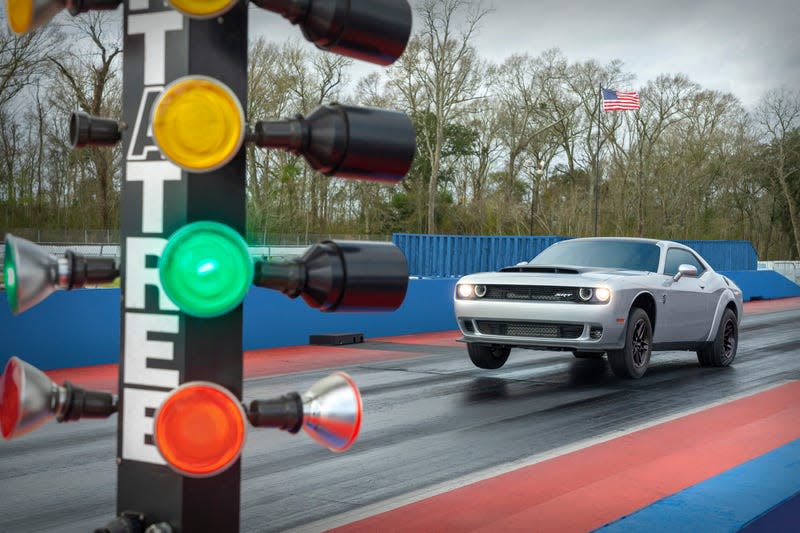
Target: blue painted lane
pixel 727 502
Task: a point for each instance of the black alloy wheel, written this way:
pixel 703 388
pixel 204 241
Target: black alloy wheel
pixel 640 350
pixel 632 361
pixel 722 350
pixel 729 340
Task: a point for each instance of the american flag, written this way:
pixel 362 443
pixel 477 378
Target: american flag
pixel 619 100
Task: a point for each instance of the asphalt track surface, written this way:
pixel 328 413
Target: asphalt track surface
pixel 429 418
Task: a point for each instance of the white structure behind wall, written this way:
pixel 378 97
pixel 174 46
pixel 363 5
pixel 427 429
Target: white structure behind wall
pixel 789 269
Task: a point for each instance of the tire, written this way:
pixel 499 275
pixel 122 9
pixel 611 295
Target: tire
pixel 722 350
pixel 587 355
pixel 632 361
pixel 488 356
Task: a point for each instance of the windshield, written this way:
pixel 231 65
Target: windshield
pixel 624 255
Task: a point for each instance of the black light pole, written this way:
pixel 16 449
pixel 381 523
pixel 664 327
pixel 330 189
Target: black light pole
pixel 158 198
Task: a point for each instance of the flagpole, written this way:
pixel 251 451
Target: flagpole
pixel 597 160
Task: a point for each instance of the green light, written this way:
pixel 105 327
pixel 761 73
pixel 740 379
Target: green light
pixel 10 278
pixel 206 269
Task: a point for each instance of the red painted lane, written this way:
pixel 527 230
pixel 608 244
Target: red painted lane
pixel 439 338
pixel 275 361
pixel 101 377
pixel 588 488
pixel 771 306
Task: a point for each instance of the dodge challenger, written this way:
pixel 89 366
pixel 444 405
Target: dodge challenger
pixel 620 297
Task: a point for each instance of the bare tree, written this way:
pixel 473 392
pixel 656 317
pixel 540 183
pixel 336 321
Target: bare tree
pixel 21 60
pixel 439 73
pixel 269 97
pixel 284 80
pixel 88 77
pixel 778 114
pixel 663 102
pixel 22 65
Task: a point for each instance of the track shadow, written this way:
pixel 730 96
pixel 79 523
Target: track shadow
pixel 584 372
pixel 485 389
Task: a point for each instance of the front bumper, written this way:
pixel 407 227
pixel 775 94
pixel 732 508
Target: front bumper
pixel 581 320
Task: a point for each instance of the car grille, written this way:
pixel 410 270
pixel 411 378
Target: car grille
pixel 529 329
pixel 531 293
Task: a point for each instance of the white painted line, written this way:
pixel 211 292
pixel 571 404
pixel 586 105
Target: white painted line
pixel 481 475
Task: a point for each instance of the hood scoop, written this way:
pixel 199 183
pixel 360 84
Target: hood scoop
pixel 541 269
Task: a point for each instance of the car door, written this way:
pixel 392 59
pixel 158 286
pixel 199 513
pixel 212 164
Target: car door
pixel 685 308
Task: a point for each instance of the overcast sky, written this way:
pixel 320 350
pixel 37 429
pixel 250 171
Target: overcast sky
pixel 739 46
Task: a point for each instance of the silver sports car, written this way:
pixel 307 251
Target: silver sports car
pixel 619 296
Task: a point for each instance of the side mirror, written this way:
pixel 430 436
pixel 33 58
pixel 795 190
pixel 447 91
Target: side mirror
pixel 685 270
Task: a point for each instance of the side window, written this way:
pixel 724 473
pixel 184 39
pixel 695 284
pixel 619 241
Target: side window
pixel 677 257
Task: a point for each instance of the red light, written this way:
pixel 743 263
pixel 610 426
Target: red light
pixel 200 429
pixel 9 409
pixel 357 425
pixel 336 433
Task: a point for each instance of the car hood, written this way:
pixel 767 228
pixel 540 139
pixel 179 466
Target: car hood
pixel 550 275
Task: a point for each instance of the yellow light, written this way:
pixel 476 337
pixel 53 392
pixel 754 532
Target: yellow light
pixel 202 9
pixel 20 15
pixel 198 123
pixel 602 294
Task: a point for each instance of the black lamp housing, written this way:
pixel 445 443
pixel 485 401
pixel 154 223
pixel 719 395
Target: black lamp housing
pixel 376 31
pixel 347 141
pixel 88 130
pixel 341 276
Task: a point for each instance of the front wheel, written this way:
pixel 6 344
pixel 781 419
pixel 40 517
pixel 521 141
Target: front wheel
pixel 722 350
pixel 632 361
pixel 488 356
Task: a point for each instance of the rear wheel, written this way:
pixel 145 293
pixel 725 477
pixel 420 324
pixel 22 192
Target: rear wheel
pixel 722 350
pixel 488 356
pixel 632 361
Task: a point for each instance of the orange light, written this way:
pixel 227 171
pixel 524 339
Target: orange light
pixel 200 429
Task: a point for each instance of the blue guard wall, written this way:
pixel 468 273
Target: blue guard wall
pixel 82 328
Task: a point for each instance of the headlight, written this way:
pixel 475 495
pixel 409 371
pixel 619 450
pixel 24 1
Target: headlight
pixel 465 291
pixel 480 291
pixel 594 295
pixel 602 294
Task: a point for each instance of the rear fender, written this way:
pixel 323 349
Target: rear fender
pixel 725 298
